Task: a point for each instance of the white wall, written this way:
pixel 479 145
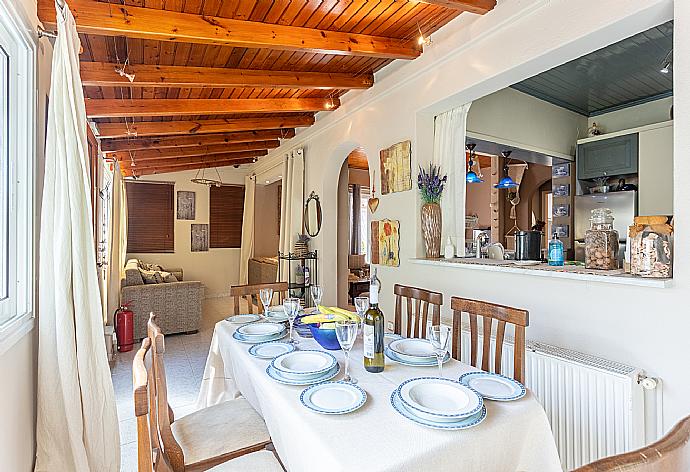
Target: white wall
pixel 217 269
pixel 475 56
pixel 632 117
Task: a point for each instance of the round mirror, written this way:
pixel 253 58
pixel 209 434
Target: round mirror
pixel 312 215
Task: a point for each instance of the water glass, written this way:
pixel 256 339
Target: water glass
pixel 361 306
pixel 292 307
pixel 438 336
pixel 346 332
pixel 316 295
pixel 266 295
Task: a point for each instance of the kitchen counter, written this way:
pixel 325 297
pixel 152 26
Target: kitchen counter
pixel 544 270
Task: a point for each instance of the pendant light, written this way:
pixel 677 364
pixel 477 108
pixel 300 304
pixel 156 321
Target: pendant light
pixel 471 177
pixel 506 182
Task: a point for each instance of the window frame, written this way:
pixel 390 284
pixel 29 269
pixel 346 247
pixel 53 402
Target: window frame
pixel 17 309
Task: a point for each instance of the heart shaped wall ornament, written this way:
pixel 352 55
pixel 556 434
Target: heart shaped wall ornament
pixel 373 204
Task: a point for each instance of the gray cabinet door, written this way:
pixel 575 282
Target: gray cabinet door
pixel 613 156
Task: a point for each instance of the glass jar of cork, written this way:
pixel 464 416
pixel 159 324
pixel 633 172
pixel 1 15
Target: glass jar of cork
pixel 651 246
pixel 601 241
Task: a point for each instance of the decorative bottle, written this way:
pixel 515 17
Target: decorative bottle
pixel 556 257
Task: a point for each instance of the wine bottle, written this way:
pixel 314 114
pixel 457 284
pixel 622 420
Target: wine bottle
pixel 373 329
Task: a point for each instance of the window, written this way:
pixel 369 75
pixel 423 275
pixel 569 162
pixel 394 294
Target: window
pixel 17 158
pixel 226 212
pixel 150 217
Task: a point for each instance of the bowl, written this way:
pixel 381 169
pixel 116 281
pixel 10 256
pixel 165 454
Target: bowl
pixel 325 337
pixel 301 328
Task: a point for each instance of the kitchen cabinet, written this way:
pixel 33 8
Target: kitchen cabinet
pixel 607 157
pixel 655 195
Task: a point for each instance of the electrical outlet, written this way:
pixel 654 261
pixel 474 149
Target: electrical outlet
pixel 389 326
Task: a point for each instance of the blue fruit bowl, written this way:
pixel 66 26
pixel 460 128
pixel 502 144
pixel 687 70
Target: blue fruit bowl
pixel 325 337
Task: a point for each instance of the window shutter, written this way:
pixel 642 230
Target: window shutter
pixel 150 217
pixel 226 213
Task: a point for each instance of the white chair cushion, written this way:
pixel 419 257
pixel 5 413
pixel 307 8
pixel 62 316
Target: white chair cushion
pixel 218 430
pixel 262 461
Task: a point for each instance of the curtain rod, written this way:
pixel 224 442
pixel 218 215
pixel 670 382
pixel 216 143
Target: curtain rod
pixel 50 34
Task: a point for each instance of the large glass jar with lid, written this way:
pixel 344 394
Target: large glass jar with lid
pixel 651 246
pixel 601 241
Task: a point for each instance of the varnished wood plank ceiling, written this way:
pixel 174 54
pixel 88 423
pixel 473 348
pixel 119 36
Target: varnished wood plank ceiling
pixel 239 67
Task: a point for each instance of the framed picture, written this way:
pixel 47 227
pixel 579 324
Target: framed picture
pixel 199 238
pixel 561 209
pixel 563 231
pixel 561 170
pixel 186 205
pixel 385 242
pixel 561 190
pixel 396 171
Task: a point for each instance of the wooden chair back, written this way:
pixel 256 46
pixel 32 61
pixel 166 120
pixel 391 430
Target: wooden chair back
pixel 417 301
pixel 163 413
pixel 490 312
pixel 672 452
pixel 250 293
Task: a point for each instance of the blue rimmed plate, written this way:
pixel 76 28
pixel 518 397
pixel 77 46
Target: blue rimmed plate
pixel 494 386
pixel 256 340
pixel 464 423
pixel 242 319
pixel 333 398
pixel 439 399
pixel 304 364
pixel 394 357
pixel 275 375
pixel 260 330
pixel 271 349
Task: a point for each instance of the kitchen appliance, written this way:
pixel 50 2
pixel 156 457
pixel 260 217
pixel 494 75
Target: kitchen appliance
pixel 528 245
pixel 624 208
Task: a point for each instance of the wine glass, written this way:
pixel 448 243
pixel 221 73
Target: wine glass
pixel 316 295
pixel 346 332
pixel 438 336
pixel 361 306
pixel 292 306
pixel 266 295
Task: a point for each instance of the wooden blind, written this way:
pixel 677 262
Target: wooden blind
pixel 225 219
pixel 150 217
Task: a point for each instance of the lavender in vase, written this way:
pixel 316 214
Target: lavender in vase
pixel 431 184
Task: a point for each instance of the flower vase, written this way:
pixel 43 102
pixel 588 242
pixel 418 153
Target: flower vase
pixel 431 229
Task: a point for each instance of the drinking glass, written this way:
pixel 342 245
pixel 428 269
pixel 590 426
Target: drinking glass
pixel 438 336
pixel 292 306
pixel 316 295
pixel 346 332
pixel 361 306
pixel 266 295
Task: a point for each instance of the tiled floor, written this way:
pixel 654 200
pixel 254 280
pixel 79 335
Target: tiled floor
pixel 184 364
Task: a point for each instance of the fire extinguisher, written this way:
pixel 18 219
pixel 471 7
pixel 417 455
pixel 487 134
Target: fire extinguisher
pixel 124 327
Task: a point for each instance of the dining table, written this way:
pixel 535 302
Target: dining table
pixel 515 435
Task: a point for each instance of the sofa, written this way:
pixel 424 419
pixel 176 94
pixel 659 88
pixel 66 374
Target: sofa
pixel 176 304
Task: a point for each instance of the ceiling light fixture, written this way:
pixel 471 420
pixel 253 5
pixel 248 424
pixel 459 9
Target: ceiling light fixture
pixel 206 181
pixel 471 177
pixel 423 40
pixel 667 63
pixel 507 181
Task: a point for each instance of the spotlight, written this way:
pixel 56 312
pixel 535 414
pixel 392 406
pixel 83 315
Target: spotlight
pixel 666 68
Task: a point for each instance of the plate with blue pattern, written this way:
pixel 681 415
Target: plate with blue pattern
pixel 242 319
pixel 271 349
pixel 464 423
pixel 439 399
pixel 494 386
pixel 278 377
pixel 256 340
pixel 333 398
pixel 394 357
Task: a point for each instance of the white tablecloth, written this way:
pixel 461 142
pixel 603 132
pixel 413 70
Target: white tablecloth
pixel 515 436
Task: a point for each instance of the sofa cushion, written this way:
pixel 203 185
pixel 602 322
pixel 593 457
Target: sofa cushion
pixel 132 274
pixel 168 277
pixel 149 276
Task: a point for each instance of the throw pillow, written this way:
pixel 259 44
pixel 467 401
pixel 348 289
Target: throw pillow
pixel 159 278
pixel 168 277
pixel 148 276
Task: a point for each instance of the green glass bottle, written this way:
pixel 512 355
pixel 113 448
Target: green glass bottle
pixel 374 329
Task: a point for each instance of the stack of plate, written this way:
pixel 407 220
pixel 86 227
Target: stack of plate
pixel 255 333
pixel 276 314
pixel 494 386
pixel 303 367
pixel 438 403
pixel 413 352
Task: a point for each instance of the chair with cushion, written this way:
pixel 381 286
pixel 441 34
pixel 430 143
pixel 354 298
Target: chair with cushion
pixel 206 437
pixel 490 312
pixel 417 302
pixel 250 293
pixel 670 453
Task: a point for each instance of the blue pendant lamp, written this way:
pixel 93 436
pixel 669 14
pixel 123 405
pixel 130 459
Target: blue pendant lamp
pixel 506 182
pixel 471 177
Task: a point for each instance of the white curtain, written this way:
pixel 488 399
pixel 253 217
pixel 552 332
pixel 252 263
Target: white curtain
pixel 449 152
pixel 292 200
pixel 247 247
pixel 117 246
pixel 76 427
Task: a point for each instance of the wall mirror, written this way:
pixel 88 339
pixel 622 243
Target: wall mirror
pixel 312 215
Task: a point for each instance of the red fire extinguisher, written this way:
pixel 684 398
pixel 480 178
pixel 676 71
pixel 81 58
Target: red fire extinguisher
pixel 124 327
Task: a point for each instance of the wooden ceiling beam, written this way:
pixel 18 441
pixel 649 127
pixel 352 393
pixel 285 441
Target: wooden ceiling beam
pixel 117 108
pixel 146 155
pixel 108 145
pixel 98 18
pixel 131 171
pixel 102 74
pixel 183 161
pixel 158 128
pixel 473 6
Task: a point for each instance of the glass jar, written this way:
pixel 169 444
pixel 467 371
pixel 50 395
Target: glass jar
pixel 601 241
pixel 651 245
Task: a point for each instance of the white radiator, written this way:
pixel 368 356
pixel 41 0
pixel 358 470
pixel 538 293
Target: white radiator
pixel 596 407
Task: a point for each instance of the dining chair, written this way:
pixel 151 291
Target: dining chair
pixel 670 453
pixel 490 312
pixel 250 293
pixel 417 301
pixel 150 457
pixel 206 437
